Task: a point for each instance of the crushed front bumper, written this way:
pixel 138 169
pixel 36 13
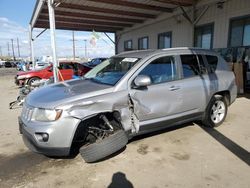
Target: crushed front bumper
pixel 31 142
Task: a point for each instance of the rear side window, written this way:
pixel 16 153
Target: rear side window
pixel 161 70
pixel 190 66
pixel 212 62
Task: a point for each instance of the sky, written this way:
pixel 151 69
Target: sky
pixel 15 16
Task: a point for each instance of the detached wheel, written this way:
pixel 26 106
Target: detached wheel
pixel 103 148
pixel 32 80
pixel 216 112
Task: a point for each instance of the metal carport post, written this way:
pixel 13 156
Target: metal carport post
pixel 32 47
pixel 52 37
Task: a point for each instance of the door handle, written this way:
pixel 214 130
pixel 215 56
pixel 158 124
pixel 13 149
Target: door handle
pixel 173 88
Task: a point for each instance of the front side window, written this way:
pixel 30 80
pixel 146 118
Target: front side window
pixel 203 36
pixel 190 66
pixel 128 45
pixel 161 70
pixel 65 66
pixel 239 32
pixel 165 40
pixel 111 70
pixel 143 43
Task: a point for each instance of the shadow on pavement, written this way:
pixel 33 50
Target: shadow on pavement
pixel 119 179
pixel 164 130
pixel 236 149
pixel 246 95
pixel 19 164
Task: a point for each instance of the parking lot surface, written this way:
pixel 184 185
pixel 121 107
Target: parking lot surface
pixel 188 155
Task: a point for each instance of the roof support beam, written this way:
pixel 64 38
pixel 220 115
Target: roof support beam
pixel 83 21
pixel 194 19
pixel 109 37
pixel 79 29
pixel 105 10
pixel 134 5
pixel 41 33
pixel 36 12
pixel 178 2
pixel 91 16
pixel 77 25
pixel 201 14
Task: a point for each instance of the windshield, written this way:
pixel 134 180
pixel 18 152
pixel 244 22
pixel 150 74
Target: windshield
pixel 95 62
pixel 112 70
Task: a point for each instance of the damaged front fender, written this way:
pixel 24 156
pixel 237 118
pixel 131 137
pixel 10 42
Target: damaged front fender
pixel 120 102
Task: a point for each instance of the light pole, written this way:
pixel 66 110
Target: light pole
pixel 73 44
pixel 85 40
pixel 18 47
pixel 8 49
pixel 14 58
pixel 74 47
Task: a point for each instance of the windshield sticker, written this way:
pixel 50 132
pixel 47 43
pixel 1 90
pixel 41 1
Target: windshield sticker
pixel 131 59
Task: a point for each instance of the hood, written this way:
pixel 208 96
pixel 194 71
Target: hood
pixel 54 95
pixel 21 73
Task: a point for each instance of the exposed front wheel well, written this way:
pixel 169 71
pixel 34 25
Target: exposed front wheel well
pixel 104 123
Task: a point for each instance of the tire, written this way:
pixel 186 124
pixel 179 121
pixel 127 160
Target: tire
pixel 216 111
pixel 31 80
pixel 104 148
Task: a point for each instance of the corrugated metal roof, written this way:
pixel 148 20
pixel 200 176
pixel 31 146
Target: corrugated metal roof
pixel 102 15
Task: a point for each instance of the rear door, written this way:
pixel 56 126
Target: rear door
pixel 195 85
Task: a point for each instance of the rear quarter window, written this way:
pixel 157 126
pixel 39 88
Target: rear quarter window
pixel 212 62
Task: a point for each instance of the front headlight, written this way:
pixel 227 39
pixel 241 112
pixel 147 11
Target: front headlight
pixel 46 115
pixel 21 77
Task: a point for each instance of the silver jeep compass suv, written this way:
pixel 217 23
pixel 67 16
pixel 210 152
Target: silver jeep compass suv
pixel 128 94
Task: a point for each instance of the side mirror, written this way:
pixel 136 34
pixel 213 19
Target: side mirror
pixel 142 81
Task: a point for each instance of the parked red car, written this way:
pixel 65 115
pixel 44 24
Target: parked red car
pixel 67 70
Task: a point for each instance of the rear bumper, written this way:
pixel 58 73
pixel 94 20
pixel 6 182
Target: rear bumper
pixel 233 94
pixel 34 146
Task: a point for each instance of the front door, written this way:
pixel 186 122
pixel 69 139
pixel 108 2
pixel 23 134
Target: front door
pixel 164 96
pixel 66 71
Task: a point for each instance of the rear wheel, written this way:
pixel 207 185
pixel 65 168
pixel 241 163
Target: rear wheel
pixel 32 80
pixel 216 111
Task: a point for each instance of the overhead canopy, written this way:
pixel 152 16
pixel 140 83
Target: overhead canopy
pixel 102 15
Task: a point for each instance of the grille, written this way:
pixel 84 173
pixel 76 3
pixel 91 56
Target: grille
pixel 27 112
